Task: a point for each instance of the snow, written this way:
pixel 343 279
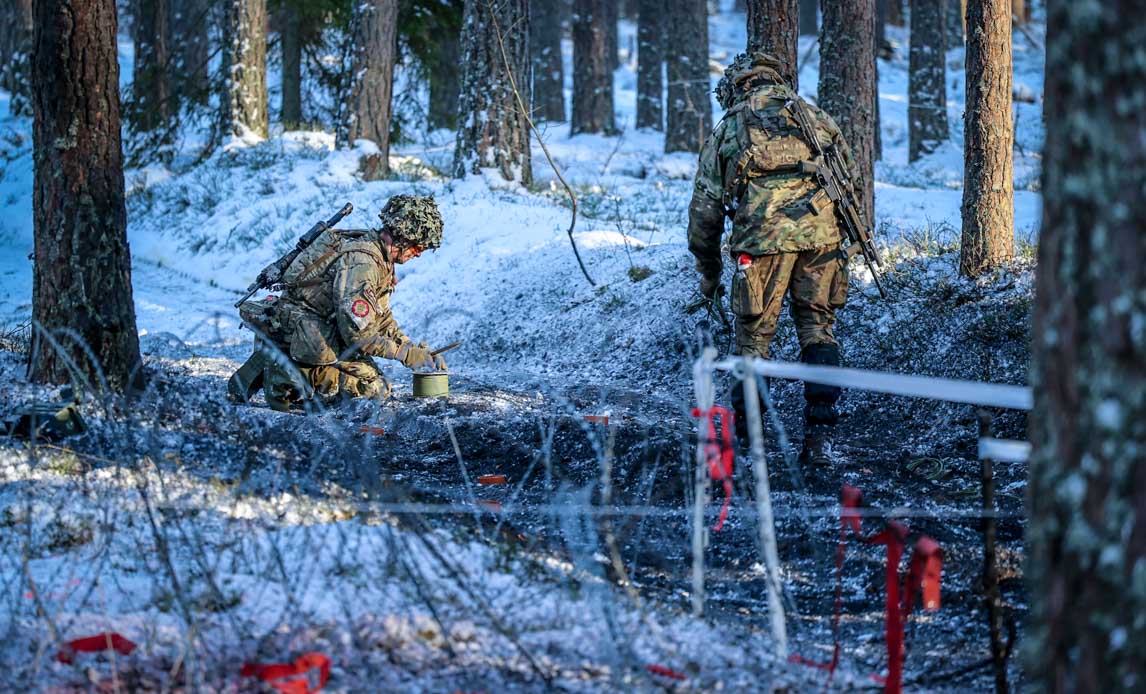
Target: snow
pixel 506 281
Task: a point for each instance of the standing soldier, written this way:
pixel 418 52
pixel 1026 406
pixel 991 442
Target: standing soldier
pixel 319 338
pixel 755 169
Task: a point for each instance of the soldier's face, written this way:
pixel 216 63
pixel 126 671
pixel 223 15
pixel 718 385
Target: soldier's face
pixel 408 253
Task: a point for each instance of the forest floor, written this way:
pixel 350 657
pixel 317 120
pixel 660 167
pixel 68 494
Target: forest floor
pixel 213 534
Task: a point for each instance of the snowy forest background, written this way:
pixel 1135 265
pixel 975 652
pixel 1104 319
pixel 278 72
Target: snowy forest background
pixel 379 535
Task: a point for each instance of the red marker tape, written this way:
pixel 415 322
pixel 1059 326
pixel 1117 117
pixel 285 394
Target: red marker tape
pixel 107 641
pixel 292 678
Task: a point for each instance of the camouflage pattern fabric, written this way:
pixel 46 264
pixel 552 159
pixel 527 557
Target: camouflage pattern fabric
pixel 413 219
pixel 816 282
pixel 749 170
pixel 288 386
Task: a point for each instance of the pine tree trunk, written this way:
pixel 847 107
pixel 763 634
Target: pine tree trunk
pixel 444 82
pixel 847 79
pixel 879 47
pixel 492 130
pixel 988 140
pixel 244 99
pixel 592 71
pixel 548 67
pixel 650 64
pixel 809 9
pixel 291 41
pixel 15 55
pixel 190 21
pixel 82 271
pixel 881 28
pixel 374 27
pixel 150 86
pixel 1086 503
pixel 772 26
pixel 895 13
pixel 689 107
pixel 927 78
pixel 956 23
pixel 612 16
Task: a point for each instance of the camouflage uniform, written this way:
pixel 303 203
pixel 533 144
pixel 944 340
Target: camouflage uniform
pixel 785 237
pixel 319 338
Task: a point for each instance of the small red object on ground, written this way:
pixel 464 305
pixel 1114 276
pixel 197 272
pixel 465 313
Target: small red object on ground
pixel 596 418
pixel 666 672
pixel 291 678
pixel 107 641
pixel 491 479
pixel 377 431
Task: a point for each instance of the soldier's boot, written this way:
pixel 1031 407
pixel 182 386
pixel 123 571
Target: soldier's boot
pixel 820 415
pixel 287 388
pixel 248 379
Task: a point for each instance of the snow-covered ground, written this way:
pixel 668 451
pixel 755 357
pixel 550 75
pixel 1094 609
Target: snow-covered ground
pixel 269 572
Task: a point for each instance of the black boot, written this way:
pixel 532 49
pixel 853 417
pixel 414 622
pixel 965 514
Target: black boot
pixel 738 409
pixel 248 379
pixel 817 445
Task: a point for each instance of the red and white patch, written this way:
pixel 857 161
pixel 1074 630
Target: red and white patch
pixel 360 308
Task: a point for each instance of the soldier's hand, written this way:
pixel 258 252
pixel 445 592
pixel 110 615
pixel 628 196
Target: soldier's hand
pixel 711 288
pixel 439 363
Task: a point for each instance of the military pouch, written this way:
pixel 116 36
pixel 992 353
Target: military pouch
pixel 838 292
pixel 259 314
pixel 819 201
pixel 312 341
pixel 747 297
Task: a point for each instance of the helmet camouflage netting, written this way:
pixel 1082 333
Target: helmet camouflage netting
pixel 742 71
pixel 413 219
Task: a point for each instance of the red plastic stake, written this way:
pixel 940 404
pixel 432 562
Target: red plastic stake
pixel 107 641
pixel 666 672
pixel 720 452
pixel 291 678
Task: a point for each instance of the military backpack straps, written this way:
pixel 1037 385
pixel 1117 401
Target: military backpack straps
pixel 769 141
pixel 310 268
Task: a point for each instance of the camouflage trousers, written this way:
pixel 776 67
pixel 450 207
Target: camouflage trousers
pixel 816 283
pixel 289 384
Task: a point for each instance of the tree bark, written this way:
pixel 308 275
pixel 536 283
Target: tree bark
pixel 15 55
pixel 1087 494
pixel 151 98
pixel 612 16
pixel 492 129
pixel 548 67
pixel 809 9
pixel 689 108
pixel 1018 11
pixel 244 99
pixel 650 64
pixel 444 81
pixel 988 140
pixel 190 49
pixel 366 115
pixel 291 41
pixel 895 13
pixel 592 71
pixel 772 26
pixel 847 80
pixel 956 23
pixel 927 78
pixel 81 287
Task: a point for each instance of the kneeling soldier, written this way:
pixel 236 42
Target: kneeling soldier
pixel 318 339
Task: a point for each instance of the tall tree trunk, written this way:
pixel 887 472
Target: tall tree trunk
pixel 772 26
pixel 244 99
pixel 444 81
pixel 689 108
pixel 809 9
pixel 81 278
pixel 548 67
pixel 492 130
pixel 1018 11
pixel 988 140
pixel 1087 494
pixel 592 71
pixel 15 55
pixel 150 87
pixel 366 116
pixel 650 64
pixel 612 39
pixel 880 46
pixel 895 13
pixel 927 78
pixel 291 41
pixel 956 23
pixel 190 21
pixel 847 78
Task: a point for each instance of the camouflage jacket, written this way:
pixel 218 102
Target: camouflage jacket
pixel 337 300
pixel 748 167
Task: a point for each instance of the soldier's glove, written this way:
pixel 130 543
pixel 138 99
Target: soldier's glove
pixel 711 288
pixel 418 358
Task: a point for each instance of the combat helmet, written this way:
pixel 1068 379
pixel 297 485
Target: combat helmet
pixel 747 70
pixel 413 219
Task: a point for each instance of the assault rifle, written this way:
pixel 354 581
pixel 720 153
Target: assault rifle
pixel 273 273
pixel 834 178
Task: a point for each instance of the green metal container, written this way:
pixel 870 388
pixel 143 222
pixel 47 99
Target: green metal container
pixel 431 384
